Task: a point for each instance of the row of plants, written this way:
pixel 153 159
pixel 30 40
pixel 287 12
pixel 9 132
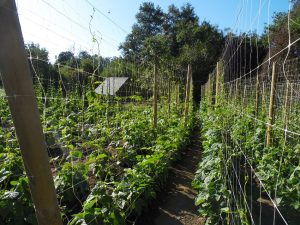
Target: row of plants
pixel 239 177
pixel 106 158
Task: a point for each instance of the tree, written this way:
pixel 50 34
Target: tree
pixel 40 67
pixel 174 38
pixel 149 24
pixel 276 35
pixel 66 58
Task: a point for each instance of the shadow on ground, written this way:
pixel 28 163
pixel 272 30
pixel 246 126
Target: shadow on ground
pixel 175 205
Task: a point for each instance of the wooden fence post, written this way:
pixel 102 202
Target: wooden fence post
pixel 271 105
pixel 23 106
pixel 187 93
pixel 155 97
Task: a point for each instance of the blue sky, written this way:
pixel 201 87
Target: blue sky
pixel 98 26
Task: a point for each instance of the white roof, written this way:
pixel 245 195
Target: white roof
pixel 111 85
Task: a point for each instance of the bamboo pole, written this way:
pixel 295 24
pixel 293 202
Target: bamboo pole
pixel 23 106
pixel 187 93
pixel 155 97
pixel 271 105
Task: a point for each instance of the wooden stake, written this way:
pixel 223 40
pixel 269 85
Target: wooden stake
pixel 286 105
pixel 291 98
pixel 209 90
pixel 155 98
pixel 219 81
pixel 23 106
pixel 230 92
pixel 236 91
pixel 187 93
pixel 177 95
pixel 263 96
pixel 217 84
pixel 245 97
pixel 271 105
pixel 256 95
pixel 169 95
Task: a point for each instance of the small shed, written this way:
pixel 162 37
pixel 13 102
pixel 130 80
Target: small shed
pixel 111 85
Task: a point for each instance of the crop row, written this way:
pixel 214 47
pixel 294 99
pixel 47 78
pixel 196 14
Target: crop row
pixel 238 173
pixel 106 158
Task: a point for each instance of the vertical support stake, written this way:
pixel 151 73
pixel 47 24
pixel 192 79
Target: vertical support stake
pixel 22 102
pixel 187 93
pixel 155 97
pixel 271 105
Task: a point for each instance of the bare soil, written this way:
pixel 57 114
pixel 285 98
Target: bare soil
pixel 175 205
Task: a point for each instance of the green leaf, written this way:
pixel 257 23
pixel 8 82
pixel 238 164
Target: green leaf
pixel 225 210
pixel 200 200
pixel 14 182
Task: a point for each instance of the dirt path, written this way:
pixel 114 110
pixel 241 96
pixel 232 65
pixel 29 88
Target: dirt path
pixel 176 206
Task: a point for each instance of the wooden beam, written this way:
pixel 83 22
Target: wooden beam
pixel 22 102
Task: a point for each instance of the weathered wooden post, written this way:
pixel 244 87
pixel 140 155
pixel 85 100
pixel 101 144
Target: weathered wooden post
pixel 187 93
pixel 155 97
pixel 271 105
pixel 23 106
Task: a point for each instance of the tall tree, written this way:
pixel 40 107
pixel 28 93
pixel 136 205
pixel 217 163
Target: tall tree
pixel 149 23
pixel 276 36
pixel 40 67
pixel 174 38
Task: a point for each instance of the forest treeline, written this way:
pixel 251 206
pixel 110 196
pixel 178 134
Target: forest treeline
pixel 172 39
